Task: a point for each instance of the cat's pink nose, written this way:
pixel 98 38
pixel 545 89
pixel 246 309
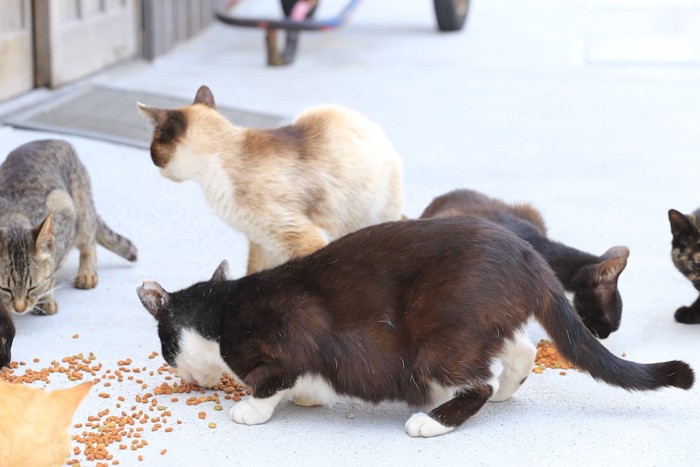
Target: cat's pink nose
pixel 20 305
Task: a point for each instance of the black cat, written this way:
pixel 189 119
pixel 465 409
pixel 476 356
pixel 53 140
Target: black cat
pixel 417 311
pixel 592 279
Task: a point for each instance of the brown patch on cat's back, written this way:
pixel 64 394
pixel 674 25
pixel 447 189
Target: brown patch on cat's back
pixel 277 142
pixel 530 213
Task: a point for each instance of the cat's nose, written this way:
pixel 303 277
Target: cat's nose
pixel 20 306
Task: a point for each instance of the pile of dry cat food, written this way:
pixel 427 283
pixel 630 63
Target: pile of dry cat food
pixel 124 425
pixel 549 357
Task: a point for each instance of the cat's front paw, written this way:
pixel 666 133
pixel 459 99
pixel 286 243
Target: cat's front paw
pixel 687 315
pixel 248 412
pixel 46 308
pixel 422 425
pixel 86 281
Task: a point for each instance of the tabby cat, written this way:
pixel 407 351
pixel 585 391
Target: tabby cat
pixel 46 209
pixel 685 253
pixel 34 424
pixel 592 279
pixel 422 311
pixel 331 172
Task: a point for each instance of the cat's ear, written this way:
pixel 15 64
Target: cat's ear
pixel 154 298
pixel 44 238
pixel 614 262
pixel 221 272
pixel 65 403
pixel 157 116
pixel 204 96
pixel 680 224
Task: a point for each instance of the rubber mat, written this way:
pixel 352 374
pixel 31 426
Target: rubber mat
pixel 111 115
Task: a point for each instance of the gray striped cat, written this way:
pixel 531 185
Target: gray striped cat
pixel 46 209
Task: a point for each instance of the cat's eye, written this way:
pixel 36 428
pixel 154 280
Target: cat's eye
pixel 6 290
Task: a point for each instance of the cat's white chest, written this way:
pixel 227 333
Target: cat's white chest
pixel 220 193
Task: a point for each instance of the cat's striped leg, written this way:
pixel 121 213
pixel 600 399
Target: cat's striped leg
pixel 87 268
pixel 518 360
pixel 451 414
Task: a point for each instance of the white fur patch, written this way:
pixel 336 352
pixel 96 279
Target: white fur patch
pixel 253 411
pixel 421 425
pixel 199 359
pixel 311 390
pixel 517 362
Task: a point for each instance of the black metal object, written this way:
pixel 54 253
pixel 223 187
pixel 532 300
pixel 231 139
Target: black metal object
pixel 450 15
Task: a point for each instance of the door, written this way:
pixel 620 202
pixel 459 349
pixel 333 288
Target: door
pixel 77 37
pixel 16 63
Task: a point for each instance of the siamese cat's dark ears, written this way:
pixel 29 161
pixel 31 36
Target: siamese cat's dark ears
pixel 221 273
pixel 154 298
pixel 205 96
pixel 680 223
pixel 155 115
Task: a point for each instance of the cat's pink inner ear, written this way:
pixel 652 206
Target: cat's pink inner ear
pixel 205 96
pixel 610 269
pixel 221 273
pixel 45 237
pixel 154 298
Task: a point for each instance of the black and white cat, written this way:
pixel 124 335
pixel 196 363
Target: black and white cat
pixel 429 312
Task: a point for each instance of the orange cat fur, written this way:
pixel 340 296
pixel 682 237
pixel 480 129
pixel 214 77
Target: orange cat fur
pixel 34 424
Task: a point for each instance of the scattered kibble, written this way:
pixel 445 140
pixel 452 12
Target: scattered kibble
pixel 549 357
pixel 121 429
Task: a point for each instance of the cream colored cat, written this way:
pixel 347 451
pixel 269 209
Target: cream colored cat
pixel 329 173
pixel 34 424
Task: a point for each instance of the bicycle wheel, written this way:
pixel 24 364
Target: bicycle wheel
pixel 451 14
pixel 287 6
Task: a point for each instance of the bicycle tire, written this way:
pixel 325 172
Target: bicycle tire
pixel 451 14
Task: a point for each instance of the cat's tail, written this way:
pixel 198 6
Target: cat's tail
pixel 578 345
pixel 111 240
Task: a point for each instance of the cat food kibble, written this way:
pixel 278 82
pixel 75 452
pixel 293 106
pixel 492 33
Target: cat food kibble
pixel 117 429
pixel 549 357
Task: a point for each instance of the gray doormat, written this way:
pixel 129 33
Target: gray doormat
pixel 111 115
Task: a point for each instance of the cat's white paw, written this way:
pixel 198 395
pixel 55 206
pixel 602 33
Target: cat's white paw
pixel 422 425
pixel 250 412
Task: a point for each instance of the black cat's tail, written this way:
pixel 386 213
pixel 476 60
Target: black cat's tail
pixel 111 240
pixel 578 345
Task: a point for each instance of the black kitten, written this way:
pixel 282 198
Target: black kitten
pixel 419 311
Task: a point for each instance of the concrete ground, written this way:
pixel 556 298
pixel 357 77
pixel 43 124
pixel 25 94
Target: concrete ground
pixel 588 109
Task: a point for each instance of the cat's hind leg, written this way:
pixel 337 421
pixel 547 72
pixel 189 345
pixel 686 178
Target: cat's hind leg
pixel 518 360
pixel 312 391
pixel 451 414
pixel 283 245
